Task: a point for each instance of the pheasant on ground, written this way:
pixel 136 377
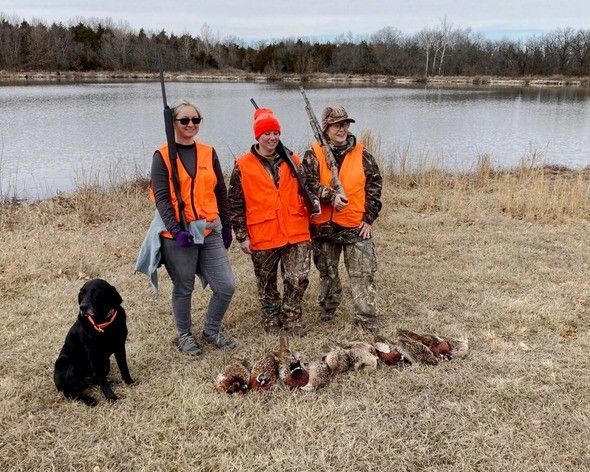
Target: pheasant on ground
pixel 439 346
pixel 363 355
pixel 292 370
pixel 264 372
pixel 388 351
pixel 234 379
pixel 319 375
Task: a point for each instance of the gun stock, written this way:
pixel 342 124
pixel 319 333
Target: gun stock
pixel 311 201
pixel 319 136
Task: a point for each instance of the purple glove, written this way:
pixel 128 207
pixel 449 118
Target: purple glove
pixel 226 236
pixel 184 239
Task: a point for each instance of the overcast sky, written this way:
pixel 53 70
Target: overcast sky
pixel 255 20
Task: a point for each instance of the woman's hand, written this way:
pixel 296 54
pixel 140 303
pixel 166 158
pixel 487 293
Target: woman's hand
pixel 339 202
pixel 245 245
pixel 365 230
pixel 184 239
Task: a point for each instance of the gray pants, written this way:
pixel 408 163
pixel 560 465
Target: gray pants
pixel 210 261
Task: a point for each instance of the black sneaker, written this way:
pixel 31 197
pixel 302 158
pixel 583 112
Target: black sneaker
pixel 187 345
pixel 220 340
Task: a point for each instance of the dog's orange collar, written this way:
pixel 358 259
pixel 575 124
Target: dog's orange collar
pixel 100 327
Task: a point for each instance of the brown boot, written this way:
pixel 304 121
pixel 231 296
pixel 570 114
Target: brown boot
pixel 370 326
pixel 295 328
pixel 272 325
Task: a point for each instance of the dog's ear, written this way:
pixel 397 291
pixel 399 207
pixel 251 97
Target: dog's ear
pixel 81 293
pixel 114 296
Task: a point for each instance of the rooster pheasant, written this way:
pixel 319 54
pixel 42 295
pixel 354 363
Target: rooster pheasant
pixel 430 349
pixel 388 352
pixel 264 373
pixel 292 370
pixel 234 379
pixel 439 346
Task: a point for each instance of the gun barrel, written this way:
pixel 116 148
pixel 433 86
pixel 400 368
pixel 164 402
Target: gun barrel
pixel 172 151
pixel 319 135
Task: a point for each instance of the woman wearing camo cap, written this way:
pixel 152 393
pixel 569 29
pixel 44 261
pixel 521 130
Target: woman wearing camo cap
pixel 345 224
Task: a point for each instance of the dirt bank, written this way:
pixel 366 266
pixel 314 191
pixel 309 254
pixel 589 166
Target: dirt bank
pixel 318 78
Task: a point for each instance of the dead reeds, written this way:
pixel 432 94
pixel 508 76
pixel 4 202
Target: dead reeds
pixel 451 261
pixel 532 190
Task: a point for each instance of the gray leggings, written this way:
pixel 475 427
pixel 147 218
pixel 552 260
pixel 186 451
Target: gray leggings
pixel 210 261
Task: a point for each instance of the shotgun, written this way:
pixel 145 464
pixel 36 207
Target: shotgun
pixel 311 201
pixel 172 151
pixel 319 136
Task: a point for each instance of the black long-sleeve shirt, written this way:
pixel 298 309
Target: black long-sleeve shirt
pixel 188 159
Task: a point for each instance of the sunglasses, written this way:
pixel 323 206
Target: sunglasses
pixel 185 121
pixel 341 125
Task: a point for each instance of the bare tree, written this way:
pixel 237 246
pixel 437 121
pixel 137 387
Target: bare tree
pixel 426 39
pixel 447 38
pixel 581 52
pixel 387 44
pixel 208 38
pixel 559 48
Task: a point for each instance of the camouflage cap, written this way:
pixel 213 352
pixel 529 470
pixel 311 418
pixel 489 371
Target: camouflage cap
pixel 333 115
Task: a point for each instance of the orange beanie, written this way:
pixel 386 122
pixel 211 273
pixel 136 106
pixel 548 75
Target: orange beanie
pixel 265 120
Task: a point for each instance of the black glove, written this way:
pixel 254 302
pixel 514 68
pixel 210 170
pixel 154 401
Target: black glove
pixel 226 236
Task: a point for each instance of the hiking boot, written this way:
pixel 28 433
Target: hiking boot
pixel 369 326
pixel 327 315
pixel 220 340
pixel 295 328
pixel 273 329
pixel 272 325
pixel 187 345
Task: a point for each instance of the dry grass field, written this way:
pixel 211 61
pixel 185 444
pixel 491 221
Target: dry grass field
pixel 502 258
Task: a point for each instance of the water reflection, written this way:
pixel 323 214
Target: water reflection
pixel 54 137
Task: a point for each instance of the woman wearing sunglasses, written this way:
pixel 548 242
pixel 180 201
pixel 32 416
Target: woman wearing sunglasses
pixel 201 193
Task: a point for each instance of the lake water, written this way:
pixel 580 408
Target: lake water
pixel 56 137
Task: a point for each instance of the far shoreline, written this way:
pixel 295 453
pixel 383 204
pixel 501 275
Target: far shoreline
pixel 40 77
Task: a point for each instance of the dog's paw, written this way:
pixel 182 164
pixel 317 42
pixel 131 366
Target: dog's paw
pixel 129 381
pixel 112 397
pixel 88 400
pixel 109 394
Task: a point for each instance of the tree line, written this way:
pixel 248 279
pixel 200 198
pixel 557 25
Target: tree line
pixel 94 45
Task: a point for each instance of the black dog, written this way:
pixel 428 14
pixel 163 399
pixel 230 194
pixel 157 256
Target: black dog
pixel 99 332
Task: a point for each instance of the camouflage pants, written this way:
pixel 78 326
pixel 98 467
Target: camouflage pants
pixel 294 262
pixel 361 264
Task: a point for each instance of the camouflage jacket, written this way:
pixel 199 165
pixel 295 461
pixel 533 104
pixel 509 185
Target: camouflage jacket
pixel 373 184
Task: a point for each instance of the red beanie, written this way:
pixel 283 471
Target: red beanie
pixel 265 120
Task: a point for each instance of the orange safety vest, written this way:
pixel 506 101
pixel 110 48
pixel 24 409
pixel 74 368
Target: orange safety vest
pixel 197 193
pixel 274 216
pixel 352 176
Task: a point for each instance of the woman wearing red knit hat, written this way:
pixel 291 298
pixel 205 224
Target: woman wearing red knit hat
pixel 271 223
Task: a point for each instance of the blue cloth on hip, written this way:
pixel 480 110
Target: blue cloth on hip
pixel 150 258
